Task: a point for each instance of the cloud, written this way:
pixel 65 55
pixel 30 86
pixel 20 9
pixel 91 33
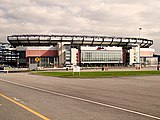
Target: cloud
pixel 88 17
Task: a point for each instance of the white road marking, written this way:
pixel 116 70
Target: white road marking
pixel 85 100
pixel 19 100
pixel 16 99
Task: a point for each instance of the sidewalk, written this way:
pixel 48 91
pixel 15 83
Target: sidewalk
pixel 121 69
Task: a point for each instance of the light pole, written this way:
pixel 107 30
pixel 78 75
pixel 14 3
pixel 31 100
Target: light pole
pixel 139 47
pixel 140 32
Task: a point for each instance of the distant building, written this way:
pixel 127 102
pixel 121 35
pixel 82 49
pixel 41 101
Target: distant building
pixel 8 55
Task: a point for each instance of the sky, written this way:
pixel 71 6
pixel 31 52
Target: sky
pixel 121 18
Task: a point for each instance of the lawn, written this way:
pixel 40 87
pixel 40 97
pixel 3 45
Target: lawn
pixel 97 74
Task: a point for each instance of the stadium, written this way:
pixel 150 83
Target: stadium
pixel 62 50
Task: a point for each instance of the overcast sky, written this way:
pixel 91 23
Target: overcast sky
pixel 121 18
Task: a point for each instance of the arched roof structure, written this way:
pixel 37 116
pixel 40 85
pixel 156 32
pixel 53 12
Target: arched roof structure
pixel 47 40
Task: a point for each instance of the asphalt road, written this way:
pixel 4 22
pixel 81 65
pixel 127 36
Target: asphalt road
pixel 123 98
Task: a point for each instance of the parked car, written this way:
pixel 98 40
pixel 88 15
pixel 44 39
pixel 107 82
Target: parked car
pixel 68 67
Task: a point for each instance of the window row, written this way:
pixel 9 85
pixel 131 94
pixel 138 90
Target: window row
pixel 100 57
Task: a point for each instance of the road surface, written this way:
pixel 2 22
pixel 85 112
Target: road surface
pixel 121 98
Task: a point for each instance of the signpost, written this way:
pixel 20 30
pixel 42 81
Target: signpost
pixel 76 69
pixel 37 59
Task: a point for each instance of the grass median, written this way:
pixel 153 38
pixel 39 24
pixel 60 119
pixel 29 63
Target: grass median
pixel 98 74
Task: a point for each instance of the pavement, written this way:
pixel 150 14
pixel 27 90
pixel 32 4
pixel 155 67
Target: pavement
pixel 121 98
pixel 88 69
pixel 121 68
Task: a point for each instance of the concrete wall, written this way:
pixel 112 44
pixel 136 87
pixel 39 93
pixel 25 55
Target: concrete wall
pixel 135 55
pixel 74 53
pixel 41 51
pixel 61 50
pixel 131 57
pixel 146 52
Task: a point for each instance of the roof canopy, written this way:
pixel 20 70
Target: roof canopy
pixel 47 40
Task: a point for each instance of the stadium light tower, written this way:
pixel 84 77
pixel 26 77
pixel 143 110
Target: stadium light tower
pixel 139 48
pixel 140 32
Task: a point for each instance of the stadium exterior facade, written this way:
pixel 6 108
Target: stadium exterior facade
pixel 61 50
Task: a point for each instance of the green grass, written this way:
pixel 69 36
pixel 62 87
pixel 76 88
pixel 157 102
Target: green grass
pixel 98 74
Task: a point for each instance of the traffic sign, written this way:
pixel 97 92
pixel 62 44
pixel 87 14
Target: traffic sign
pixel 37 59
